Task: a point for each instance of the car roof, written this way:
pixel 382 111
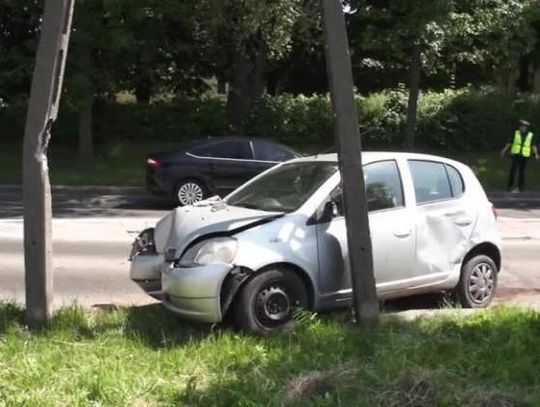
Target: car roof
pixel 371 156
pixel 218 139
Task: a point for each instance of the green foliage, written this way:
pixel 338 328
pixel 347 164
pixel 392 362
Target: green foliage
pixel 465 119
pixel 146 356
pixel 19 21
pixel 230 25
pixel 295 120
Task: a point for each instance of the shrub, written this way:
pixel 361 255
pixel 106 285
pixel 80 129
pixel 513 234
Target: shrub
pixel 464 119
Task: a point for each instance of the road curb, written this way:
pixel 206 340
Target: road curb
pixel 92 189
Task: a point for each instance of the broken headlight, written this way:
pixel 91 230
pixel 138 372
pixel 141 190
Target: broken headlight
pixel 143 244
pixel 216 250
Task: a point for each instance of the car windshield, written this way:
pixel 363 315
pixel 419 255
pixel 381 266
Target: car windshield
pixel 285 188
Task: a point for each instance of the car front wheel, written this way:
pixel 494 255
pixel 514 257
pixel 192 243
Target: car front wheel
pixel 190 192
pixel 478 282
pixel 267 302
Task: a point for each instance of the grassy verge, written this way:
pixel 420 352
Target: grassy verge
pixel 145 356
pixel 123 164
pixel 114 164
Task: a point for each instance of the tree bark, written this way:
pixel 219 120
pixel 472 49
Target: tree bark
pixel 349 143
pixel 414 92
pixel 246 82
pixel 143 93
pixel 86 134
pixel 42 112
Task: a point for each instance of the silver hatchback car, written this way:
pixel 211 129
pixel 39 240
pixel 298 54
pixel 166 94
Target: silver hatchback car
pixel 279 242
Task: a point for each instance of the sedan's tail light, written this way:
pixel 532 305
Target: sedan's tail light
pixel 154 164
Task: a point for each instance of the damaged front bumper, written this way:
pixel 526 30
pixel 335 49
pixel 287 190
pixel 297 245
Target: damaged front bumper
pixel 202 293
pixel 198 293
pixel 195 292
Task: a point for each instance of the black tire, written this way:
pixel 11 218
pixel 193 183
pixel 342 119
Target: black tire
pixel 478 282
pixel 266 304
pixel 193 191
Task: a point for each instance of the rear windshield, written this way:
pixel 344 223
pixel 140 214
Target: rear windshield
pixel 285 188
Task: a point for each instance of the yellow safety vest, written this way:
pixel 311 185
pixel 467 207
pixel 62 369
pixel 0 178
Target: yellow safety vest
pixel 520 146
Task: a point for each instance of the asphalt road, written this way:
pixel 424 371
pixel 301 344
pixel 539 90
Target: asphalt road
pixel 93 201
pixel 93 230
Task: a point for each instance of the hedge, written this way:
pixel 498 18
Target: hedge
pixel 463 119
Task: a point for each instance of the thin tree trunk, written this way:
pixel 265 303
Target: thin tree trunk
pixel 246 83
pixel 414 92
pixel 349 143
pixel 143 93
pixel 86 136
pixel 42 112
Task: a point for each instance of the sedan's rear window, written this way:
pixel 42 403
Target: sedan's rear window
pixel 240 150
pixel 271 152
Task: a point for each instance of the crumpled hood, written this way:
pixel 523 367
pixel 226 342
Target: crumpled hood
pixel 185 224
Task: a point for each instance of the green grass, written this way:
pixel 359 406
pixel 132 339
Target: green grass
pixel 114 164
pixel 123 164
pixel 146 356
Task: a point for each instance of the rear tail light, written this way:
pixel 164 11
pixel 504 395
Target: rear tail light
pixel 154 164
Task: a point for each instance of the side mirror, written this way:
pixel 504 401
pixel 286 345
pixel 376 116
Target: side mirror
pixel 331 210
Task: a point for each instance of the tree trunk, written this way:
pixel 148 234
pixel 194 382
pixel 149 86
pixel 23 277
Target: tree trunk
pixel 86 137
pixel 42 112
pixel 414 92
pixel 246 83
pixel 346 128
pixel 143 93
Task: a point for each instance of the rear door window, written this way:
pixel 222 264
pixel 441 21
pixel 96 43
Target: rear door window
pixel 431 182
pixel 239 150
pixel 271 152
pixel 456 181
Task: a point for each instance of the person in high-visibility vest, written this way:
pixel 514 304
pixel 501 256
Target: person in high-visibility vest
pixel 522 146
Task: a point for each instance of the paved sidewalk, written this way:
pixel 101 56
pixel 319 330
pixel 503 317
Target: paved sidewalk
pixel 519 229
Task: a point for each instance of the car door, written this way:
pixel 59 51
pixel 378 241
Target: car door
pixel 228 164
pixel 444 219
pixel 392 235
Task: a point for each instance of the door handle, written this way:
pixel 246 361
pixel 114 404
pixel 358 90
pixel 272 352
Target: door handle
pixel 402 234
pixel 463 221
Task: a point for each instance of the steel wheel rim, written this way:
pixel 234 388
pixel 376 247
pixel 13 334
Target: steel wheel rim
pixel 481 283
pixel 273 306
pixel 190 193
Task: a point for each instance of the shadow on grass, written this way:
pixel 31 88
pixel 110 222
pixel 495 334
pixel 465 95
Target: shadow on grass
pixel 491 358
pixel 10 315
pixel 158 328
pixel 449 360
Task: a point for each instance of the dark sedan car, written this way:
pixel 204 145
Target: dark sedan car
pixel 200 169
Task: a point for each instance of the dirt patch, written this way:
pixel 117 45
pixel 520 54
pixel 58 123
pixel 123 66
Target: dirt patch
pixel 496 399
pixel 413 388
pixel 317 383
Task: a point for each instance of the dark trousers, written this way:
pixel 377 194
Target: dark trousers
pixel 519 164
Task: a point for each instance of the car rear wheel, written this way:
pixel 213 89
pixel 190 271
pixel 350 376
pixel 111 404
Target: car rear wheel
pixel 267 302
pixel 478 282
pixel 190 192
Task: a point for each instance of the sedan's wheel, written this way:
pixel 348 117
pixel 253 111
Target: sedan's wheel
pixel 190 192
pixel 267 302
pixel 478 282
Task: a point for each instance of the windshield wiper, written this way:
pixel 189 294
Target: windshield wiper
pixel 247 205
